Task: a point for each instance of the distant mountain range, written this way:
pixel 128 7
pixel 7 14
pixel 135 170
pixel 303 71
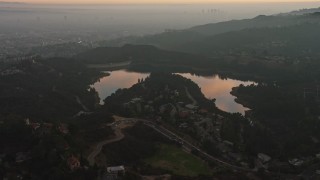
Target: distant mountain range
pixel 4 2
pixel 277 34
pixel 136 54
pixel 302 11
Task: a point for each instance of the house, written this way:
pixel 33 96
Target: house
pixel 135 100
pixel 176 93
pixel 73 163
pixel 35 126
pixel 80 113
pixel 112 173
pixel 228 143
pixel 220 117
pixel 63 128
pixel 191 107
pixel 27 121
pixel 296 162
pixel 116 170
pixel 173 111
pixel 183 125
pixel 264 158
pixel 11 71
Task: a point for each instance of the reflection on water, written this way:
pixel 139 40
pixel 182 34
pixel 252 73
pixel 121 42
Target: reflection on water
pixel 212 87
pixel 117 79
pixel 215 87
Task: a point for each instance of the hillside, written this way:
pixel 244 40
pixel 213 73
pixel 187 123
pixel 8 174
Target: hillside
pixel 138 54
pixel 172 39
pixel 299 40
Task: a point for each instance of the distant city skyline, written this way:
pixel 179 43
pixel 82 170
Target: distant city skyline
pixel 152 1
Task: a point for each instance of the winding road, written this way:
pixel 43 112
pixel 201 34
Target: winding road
pixel 169 134
pixel 118 136
pixel 172 136
pixel 160 129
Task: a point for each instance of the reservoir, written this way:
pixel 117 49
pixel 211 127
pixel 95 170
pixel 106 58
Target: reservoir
pixel 211 87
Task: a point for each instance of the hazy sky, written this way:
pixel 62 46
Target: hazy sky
pixel 149 1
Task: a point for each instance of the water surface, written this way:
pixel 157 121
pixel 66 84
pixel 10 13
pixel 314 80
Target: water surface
pixel 117 79
pixel 218 88
pixel 211 87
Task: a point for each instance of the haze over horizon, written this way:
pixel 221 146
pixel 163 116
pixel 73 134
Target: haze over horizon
pixel 159 89
pixel 153 1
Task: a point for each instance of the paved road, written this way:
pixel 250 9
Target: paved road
pixel 169 134
pixel 172 136
pixel 189 145
pixel 98 148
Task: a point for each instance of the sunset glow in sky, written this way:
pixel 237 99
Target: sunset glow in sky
pixel 149 1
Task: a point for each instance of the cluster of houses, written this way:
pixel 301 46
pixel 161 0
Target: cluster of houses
pixel 136 106
pixel 38 129
pixel 47 128
pixel 73 163
pixel 41 129
pixel 139 105
pixel 18 59
pixel 11 71
pixel 205 125
pixel 14 61
pixel 264 161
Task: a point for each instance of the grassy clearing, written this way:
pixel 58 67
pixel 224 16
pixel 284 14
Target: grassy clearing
pixel 171 158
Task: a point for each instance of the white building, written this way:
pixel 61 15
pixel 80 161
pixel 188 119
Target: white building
pixel 264 158
pixel 116 170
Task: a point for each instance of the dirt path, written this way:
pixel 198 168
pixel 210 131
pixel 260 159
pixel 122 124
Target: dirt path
pixel 194 102
pixel 81 104
pixel 118 136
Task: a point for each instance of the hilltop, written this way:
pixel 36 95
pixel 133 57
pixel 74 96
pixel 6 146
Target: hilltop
pixel 143 56
pixel 175 38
